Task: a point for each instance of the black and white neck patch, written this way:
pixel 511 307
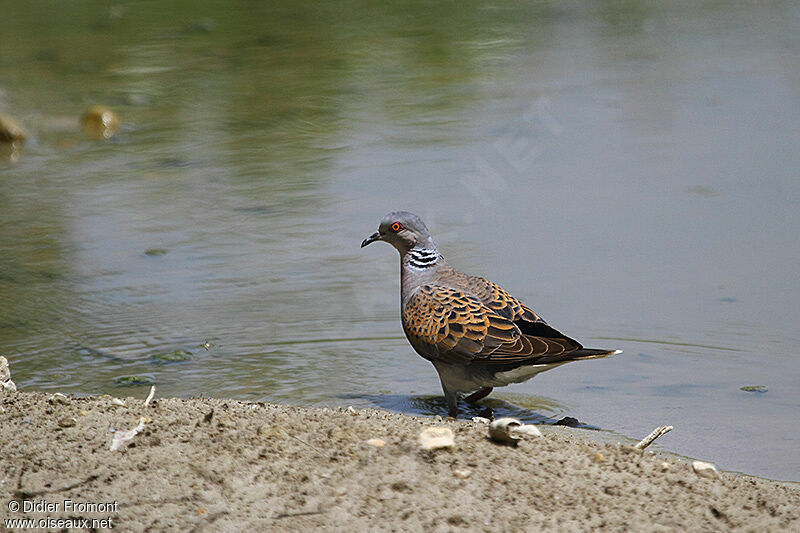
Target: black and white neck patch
pixel 422 258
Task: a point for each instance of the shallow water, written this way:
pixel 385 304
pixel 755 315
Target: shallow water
pixel 629 169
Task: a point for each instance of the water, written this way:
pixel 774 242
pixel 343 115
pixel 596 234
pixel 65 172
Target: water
pixel 629 169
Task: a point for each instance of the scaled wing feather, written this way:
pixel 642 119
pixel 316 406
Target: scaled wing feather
pixel 443 323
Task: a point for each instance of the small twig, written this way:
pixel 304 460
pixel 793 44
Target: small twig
pixel 301 441
pixel 27 494
pixel 157 502
pixel 648 440
pixel 297 513
pixel 150 396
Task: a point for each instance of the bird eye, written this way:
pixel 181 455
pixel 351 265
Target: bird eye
pixel 396 227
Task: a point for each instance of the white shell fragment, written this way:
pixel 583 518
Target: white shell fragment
pixel 648 440
pixel 117 401
pixel 58 398
pixel 480 420
pixel 501 430
pixel 121 437
pixel 378 443
pixel 703 469
pixel 5 376
pixel 5 372
pixel 511 430
pixel 436 438
pixel 150 396
pixel 527 430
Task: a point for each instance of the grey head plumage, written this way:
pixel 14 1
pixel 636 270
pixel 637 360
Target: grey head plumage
pixel 403 230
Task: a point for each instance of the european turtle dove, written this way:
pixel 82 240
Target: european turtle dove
pixel 476 334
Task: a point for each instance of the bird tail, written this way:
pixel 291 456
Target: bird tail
pixel 592 353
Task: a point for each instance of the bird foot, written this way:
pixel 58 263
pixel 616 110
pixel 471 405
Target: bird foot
pixel 478 395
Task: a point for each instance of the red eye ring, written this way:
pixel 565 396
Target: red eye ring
pixel 396 226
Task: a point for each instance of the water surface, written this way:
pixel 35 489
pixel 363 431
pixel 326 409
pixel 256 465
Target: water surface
pixel 629 169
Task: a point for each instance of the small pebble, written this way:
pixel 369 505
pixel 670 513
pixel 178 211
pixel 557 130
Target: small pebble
pixel 99 122
pixel 436 438
pixel 462 473
pixel 10 130
pixel 58 398
pixel 703 469
pixel 480 420
pixel 599 458
pixel 378 443
pixel 67 422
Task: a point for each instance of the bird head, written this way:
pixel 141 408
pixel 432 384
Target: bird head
pixel 403 230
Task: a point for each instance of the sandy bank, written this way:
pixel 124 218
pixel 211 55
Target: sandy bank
pixel 224 465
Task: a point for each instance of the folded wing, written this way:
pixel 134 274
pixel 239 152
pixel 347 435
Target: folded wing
pixel 443 323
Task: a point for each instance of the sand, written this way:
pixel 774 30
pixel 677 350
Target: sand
pixel 225 465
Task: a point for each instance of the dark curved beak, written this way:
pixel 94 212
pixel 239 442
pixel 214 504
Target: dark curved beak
pixel 372 238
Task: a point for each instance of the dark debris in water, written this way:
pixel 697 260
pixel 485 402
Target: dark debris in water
pixel 134 380
pixel 569 422
pixel 175 356
pixel 754 388
pixel 154 252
